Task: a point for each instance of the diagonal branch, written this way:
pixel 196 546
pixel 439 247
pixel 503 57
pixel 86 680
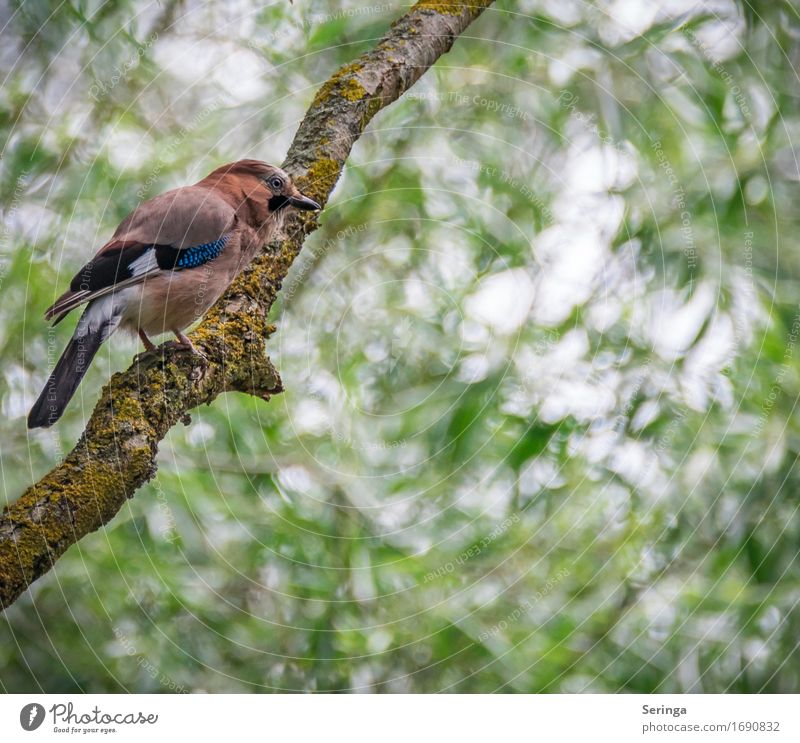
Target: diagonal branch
pixel 117 452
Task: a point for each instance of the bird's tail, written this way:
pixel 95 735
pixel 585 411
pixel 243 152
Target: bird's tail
pixel 95 325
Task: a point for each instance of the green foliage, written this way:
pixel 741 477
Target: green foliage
pixel 539 430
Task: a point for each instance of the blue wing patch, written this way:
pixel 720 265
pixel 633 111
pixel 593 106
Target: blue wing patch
pixel 197 255
pixel 175 259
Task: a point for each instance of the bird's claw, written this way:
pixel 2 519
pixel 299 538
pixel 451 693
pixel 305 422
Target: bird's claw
pixel 186 346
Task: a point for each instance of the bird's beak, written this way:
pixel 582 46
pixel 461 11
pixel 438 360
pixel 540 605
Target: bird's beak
pixel 303 202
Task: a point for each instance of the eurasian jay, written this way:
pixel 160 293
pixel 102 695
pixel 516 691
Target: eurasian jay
pixel 166 264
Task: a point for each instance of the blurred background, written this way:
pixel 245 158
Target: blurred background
pixel 540 426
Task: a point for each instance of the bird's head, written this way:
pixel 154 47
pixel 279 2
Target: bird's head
pixel 281 192
pixel 284 192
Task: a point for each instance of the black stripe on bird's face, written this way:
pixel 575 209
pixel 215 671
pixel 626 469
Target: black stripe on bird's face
pixel 276 203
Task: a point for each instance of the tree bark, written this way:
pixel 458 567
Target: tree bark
pixel 116 453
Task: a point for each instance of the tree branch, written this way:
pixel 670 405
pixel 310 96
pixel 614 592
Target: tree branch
pixel 117 452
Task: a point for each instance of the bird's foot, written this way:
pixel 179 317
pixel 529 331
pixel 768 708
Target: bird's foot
pixel 149 346
pixel 183 343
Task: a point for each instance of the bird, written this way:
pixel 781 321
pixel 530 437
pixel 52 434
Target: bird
pixel 165 266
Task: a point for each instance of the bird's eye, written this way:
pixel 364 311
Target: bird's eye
pixel 275 183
